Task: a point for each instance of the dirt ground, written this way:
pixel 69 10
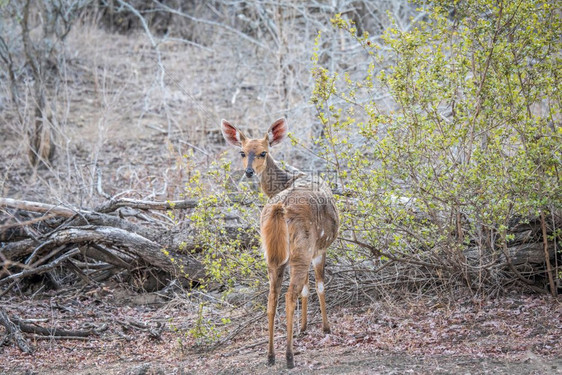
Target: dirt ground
pixel 512 335
pixel 338 361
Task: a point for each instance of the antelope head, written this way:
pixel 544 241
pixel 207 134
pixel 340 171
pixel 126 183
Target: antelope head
pixel 254 152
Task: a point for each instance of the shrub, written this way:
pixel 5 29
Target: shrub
pixel 448 134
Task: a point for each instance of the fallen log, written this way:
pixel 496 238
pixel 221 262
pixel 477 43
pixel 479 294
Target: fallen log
pixel 56 235
pixel 150 252
pixel 115 204
pixel 50 331
pixel 40 207
pixel 172 239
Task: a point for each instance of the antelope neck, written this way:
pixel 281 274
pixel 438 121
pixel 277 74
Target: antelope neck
pixel 273 179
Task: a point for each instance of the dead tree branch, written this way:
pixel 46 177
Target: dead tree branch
pixel 74 237
pixel 15 332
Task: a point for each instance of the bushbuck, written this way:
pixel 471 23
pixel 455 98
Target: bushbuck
pixel 298 223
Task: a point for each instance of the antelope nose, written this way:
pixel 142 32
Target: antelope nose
pixel 249 172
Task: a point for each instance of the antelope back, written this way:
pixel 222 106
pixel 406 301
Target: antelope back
pixel 310 212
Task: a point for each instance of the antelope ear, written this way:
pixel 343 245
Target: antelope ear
pixel 231 134
pixel 277 131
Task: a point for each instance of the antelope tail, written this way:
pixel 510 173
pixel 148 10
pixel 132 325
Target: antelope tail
pixel 275 236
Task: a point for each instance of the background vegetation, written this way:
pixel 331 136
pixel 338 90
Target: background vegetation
pixel 463 151
pixel 438 124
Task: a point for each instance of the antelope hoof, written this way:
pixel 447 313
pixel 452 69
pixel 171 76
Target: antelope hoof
pixel 290 360
pixel 327 330
pixel 270 359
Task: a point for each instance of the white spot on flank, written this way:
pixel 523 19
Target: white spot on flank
pixel 304 292
pixel 320 287
pixel 316 261
pixel 322 233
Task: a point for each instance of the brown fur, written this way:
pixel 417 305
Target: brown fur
pixel 275 235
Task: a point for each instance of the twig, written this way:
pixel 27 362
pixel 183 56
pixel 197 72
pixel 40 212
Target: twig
pixel 215 24
pixel 99 186
pixel 8 289
pixel 15 332
pixel 27 223
pixel 31 258
pixel 252 345
pixel 50 331
pixel 40 269
pixel 553 289
pixel 73 267
pixel 42 337
pixel 238 329
pixel 107 256
pixel 39 207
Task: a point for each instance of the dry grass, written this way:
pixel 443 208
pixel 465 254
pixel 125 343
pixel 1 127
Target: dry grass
pixel 118 112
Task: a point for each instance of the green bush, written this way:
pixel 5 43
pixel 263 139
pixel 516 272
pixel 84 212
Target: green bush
pixel 449 132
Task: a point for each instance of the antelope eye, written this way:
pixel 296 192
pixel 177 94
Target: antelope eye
pixel 263 154
pixel 243 154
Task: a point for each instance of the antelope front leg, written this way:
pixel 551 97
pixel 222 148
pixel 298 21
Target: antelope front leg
pixel 275 279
